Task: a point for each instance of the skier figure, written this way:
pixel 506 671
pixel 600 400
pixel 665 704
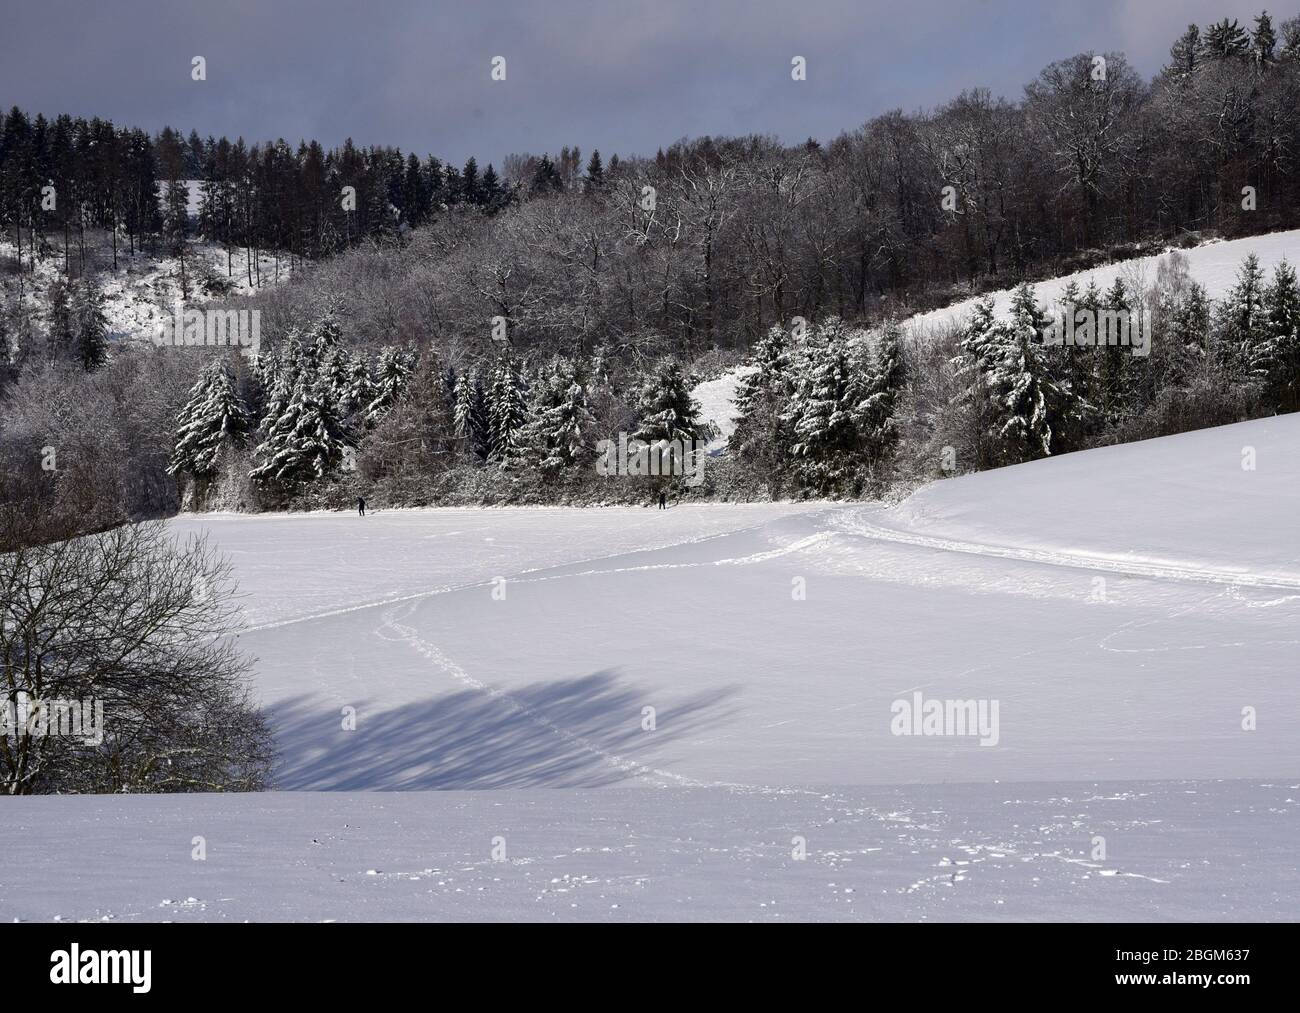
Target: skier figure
pixel 663 501
pixel 361 506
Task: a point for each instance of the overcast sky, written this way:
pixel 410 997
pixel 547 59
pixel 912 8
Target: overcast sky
pixel 618 75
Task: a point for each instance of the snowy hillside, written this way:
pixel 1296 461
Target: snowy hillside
pixel 717 399
pixel 649 708
pixel 1214 265
pixel 144 284
pixel 1184 502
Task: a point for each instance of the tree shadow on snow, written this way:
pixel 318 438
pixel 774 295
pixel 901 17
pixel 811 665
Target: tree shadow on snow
pixel 571 733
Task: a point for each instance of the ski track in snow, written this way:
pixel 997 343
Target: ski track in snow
pixel 852 522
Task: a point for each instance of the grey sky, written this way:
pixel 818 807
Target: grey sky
pixel 620 75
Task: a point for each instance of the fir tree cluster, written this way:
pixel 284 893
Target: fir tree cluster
pixel 305 410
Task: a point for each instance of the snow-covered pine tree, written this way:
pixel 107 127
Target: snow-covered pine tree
pixel 61 336
pixel 665 408
pixel 1241 320
pixel 278 374
pixel 1113 386
pixel 874 414
pixel 1190 322
pixel 307 439
pixel 392 374
pixel 1276 355
pixel 561 427
pixel 761 435
pixel 358 388
pixel 213 417
pixel 821 408
pixel 976 355
pixel 1070 363
pixel 1029 405
pixel 471 415
pixel 321 342
pixel 336 374
pixel 90 324
pixel 507 409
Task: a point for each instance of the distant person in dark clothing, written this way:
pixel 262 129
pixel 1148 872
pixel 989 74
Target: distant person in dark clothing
pixel 361 506
pixel 663 501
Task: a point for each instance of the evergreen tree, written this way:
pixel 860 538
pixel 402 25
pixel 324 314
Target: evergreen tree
pixel 1190 325
pixel 1263 41
pixel 392 373
pixel 494 196
pixel 823 407
pixel 1240 319
pixel 62 335
pixel 470 189
pixel 213 417
pixel 762 436
pixel 91 325
pixel 1113 362
pixel 358 389
pixel 665 408
pixel 874 415
pixel 1028 404
pixel 1276 355
pixel 306 441
pixel 470 414
pixel 507 406
pixel 1226 40
pixel 546 178
pixel 976 353
pixel 595 180
pixel 1185 54
pixel 560 429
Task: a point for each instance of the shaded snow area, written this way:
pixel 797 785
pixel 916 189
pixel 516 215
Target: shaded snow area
pixel 647 709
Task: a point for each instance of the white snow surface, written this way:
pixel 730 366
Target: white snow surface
pixel 717 399
pixel 1122 607
pixel 1213 264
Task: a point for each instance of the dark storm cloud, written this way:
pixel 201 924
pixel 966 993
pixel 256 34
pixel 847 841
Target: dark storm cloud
pixel 621 76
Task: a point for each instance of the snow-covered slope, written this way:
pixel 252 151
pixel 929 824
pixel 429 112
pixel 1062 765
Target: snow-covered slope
pixel 717 399
pixel 1213 264
pixel 144 285
pixel 650 707
pixel 1213 500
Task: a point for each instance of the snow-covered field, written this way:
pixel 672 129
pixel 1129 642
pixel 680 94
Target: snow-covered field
pixel 645 713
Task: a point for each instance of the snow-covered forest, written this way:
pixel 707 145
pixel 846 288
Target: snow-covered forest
pixel 892 524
